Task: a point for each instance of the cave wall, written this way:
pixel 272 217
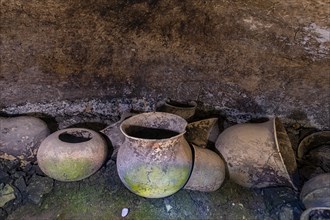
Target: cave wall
pixel 259 57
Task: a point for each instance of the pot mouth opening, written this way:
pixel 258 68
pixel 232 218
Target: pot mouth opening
pixel 285 148
pixel 149 133
pixel 75 137
pixel 181 104
pixel 154 126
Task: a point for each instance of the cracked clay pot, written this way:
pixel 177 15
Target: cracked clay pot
pixel 258 154
pixel 155 160
pixel 72 154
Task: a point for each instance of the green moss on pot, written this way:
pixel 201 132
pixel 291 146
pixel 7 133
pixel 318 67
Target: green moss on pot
pixel 69 169
pixel 156 181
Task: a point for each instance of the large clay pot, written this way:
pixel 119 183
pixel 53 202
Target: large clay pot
pixel 21 136
pixel 208 173
pixel 72 154
pixel 185 109
pixel 258 154
pixel 155 160
pixel 315 195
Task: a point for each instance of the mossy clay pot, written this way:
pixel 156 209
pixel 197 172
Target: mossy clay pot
pixel 184 109
pixel 155 160
pixel 21 136
pixel 208 172
pixel 258 154
pixel 72 154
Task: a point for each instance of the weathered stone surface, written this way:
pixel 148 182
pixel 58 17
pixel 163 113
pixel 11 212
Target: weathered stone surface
pixel 38 186
pixel 256 57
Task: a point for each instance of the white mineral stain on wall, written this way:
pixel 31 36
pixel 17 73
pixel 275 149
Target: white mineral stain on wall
pixel 254 24
pixel 316 40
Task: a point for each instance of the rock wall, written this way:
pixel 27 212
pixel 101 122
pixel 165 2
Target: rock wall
pixel 255 57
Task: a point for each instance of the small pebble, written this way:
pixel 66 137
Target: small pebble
pixel 124 212
pixel 168 207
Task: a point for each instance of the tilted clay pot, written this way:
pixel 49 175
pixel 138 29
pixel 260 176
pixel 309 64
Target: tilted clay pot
pixel 208 172
pixel 185 109
pixel 258 154
pixel 155 160
pixel 202 132
pixel 21 136
pixel 315 195
pixel 72 154
pixel 312 141
pixel 316 191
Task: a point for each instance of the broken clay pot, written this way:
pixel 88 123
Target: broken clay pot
pixel 208 172
pixel 202 132
pixel 155 160
pixel 114 134
pixel 258 154
pixel 72 154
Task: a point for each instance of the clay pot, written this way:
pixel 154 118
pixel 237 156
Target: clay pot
pixel 258 155
pixel 72 154
pixel 322 213
pixel 21 136
pixel 312 141
pixel 114 134
pixel 315 195
pixel 185 109
pixel 202 132
pixel 208 172
pixel 316 191
pixel 155 160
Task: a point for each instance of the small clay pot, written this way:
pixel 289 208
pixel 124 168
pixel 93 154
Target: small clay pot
pixel 316 191
pixel 202 132
pixel 21 136
pixel 313 141
pixel 315 195
pixel 184 109
pixel 155 160
pixel 208 172
pixel 323 213
pixel 72 154
pixel 258 154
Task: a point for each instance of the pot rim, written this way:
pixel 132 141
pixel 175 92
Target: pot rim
pixel 154 139
pixel 62 131
pixel 277 121
pixel 170 103
pixel 306 213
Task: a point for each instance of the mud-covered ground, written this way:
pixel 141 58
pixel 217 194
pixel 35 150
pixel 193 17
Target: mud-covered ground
pixel 103 196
